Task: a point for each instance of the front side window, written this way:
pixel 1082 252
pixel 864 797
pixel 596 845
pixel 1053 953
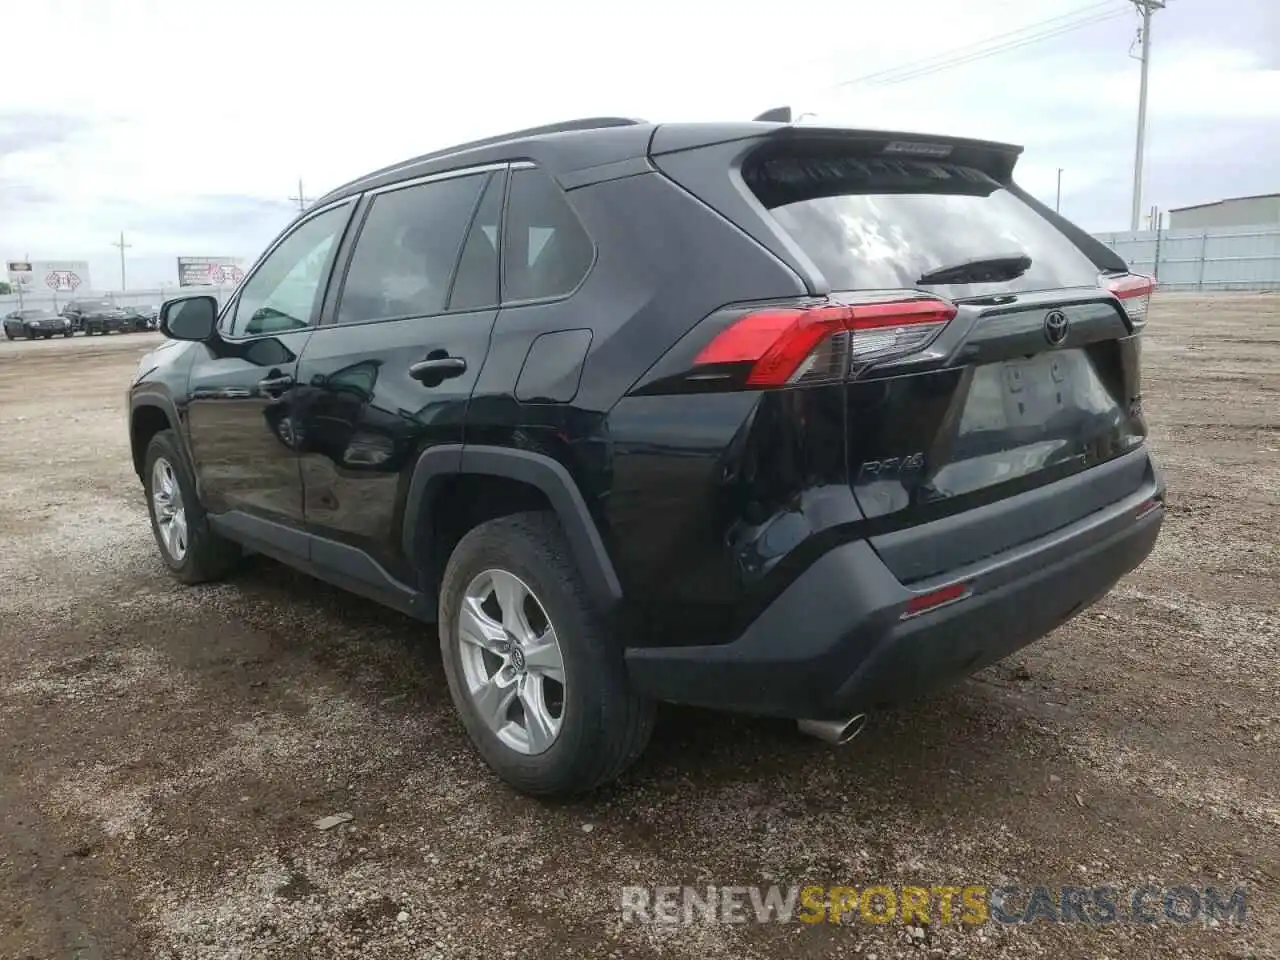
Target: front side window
pixel 283 292
pixel 405 257
pixel 546 252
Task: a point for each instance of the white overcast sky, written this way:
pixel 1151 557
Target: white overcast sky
pixel 187 124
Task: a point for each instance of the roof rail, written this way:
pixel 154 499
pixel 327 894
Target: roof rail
pixel 564 126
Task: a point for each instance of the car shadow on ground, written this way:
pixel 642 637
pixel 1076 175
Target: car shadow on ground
pixel 922 751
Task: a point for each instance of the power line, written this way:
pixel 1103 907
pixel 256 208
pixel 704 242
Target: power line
pixel 971 46
pixel 1005 48
pixel 991 46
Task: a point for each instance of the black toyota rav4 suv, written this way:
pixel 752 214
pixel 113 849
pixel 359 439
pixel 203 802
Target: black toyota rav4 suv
pixel 779 419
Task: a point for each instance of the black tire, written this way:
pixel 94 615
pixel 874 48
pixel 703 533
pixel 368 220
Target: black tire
pixel 68 333
pixel 7 334
pixel 605 725
pixel 48 336
pixel 208 556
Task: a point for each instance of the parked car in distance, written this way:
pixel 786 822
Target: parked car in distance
pixel 145 317
pixel 762 417
pixel 96 316
pixel 36 322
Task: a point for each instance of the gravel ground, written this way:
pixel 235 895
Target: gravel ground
pixel 165 751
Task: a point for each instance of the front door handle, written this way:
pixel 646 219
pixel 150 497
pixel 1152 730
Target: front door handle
pixel 434 370
pixel 275 384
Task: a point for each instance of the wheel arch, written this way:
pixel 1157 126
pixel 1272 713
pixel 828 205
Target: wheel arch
pixel 149 414
pixel 527 480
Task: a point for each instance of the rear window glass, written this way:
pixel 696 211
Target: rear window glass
pixel 880 223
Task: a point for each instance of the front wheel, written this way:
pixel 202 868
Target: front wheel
pixel 188 546
pixel 538 682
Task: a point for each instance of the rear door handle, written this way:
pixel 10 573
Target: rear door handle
pixel 275 384
pixel 436 369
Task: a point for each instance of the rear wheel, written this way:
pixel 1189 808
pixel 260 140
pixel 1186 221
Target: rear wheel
pixel 190 548
pixel 536 679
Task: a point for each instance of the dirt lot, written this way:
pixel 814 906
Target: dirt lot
pixel 164 752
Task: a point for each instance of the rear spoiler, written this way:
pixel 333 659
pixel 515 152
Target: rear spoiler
pixel 995 159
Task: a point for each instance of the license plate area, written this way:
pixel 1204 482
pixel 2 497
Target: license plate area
pixel 1008 398
pixel 1024 415
pixel 1034 386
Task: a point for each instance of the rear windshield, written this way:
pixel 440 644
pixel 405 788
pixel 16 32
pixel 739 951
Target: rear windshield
pixel 880 223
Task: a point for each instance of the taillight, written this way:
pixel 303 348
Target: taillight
pixel 826 342
pixel 1134 292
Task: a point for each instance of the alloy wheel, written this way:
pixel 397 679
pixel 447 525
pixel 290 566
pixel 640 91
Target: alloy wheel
pixel 168 509
pixel 511 661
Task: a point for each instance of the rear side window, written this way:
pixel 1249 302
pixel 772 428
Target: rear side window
pixel 405 257
pixel 881 223
pixel 476 285
pixel 546 251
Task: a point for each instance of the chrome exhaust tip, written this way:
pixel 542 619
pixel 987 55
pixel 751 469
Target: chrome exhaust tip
pixel 835 732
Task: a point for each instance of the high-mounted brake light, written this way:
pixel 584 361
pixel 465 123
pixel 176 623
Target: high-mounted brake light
pixel 826 342
pixel 1134 292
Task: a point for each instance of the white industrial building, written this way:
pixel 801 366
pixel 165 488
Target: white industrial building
pixel 1234 212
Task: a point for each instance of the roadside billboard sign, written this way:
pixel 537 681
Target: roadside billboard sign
pixel 65 275
pixel 209 271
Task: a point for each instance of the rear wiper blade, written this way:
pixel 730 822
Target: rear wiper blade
pixel 981 270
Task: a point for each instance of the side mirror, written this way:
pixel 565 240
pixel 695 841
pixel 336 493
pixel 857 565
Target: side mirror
pixel 189 318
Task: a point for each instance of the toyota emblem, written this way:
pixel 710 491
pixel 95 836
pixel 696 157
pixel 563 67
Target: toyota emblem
pixel 1055 327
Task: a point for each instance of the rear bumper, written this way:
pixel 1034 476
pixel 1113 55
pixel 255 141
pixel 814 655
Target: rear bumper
pixel 835 641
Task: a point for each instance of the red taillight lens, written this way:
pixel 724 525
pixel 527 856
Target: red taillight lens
pixel 775 342
pixel 1134 292
pixel 924 602
pixel 1147 506
pixel 822 343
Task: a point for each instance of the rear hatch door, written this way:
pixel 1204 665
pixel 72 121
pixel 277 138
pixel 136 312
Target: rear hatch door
pixel 1034 380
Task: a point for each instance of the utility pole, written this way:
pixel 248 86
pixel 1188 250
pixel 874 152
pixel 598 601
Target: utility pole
pixel 1057 204
pixel 1146 8
pixel 123 246
pixel 22 302
pixel 301 199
